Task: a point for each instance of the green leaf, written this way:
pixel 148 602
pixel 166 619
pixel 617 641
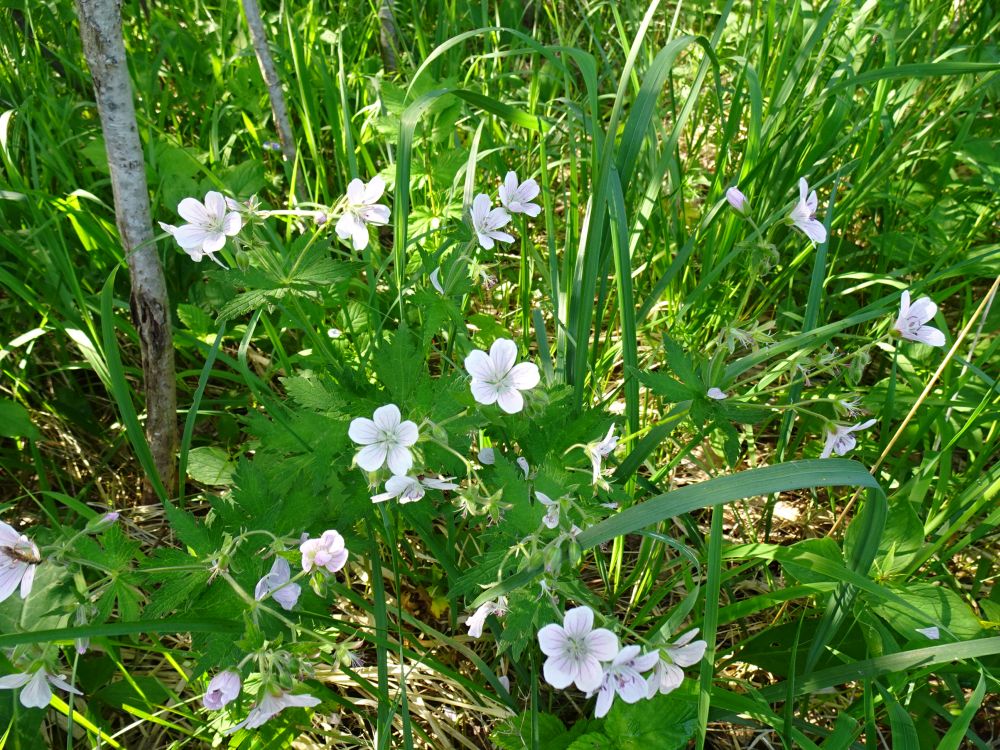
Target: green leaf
pixel 15 421
pixel 952 739
pixel 942 605
pixel 666 722
pixel 211 465
pixel 670 389
pixel 515 733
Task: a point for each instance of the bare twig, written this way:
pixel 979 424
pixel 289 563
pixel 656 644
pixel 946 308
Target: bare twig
pixel 104 48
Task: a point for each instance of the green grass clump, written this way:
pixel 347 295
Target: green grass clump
pixel 814 582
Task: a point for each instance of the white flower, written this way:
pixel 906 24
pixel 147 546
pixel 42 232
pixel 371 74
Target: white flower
pixel 911 320
pixel 736 199
pixel 478 618
pixel 436 280
pixel 624 677
pixel 223 689
pixel 334 333
pixel 932 632
pixel 326 552
pixel 681 653
pixel 551 519
pixel 601 450
pixel 209 224
pixel 803 216
pixel 385 439
pixel 487 456
pixel 362 209
pixel 576 650
pixel 486 222
pixel 496 379
pixel 277 584
pixel 271 705
pixel 525 466
pixel 18 559
pixel 517 198
pixel 839 440
pixel 410 489
pixel 36 693
pixel 717 393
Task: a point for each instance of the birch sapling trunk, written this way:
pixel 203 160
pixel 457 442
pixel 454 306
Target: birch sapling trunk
pixel 278 108
pixel 104 49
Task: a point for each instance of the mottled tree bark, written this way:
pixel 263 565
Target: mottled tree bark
pixel 104 48
pixel 278 108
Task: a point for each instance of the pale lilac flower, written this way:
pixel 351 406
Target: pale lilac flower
pixel 436 280
pixel 362 209
pixel 277 584
pixel 386 439
pixel 522 462
pixel 717 394
pixel 736 199
pixel 334 333
pixel 623 676
pixel 326 552
pixel 209 224
pixel 575 650
pixel 504 680
pixel 496 379
pixel 517 197
pixel 681 653
pixel 19 557
pixel 223 689
pixel 271 705
pixel 487 456
pixel 551 519
pixel 36 692
pixel 849 406
pixel 803 216
pixel 911 320
pixel 932 632
pixel 600 450
pixel 486 222
pixel 478 618
pixel 410 489
pixel 839 440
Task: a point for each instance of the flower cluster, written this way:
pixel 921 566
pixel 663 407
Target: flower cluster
pixel 590 658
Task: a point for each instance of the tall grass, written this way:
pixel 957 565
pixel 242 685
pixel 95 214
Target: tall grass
pixel 635 119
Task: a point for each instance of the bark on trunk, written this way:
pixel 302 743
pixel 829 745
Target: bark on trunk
pixel 104 48
pixel 388 38
pixel 278 108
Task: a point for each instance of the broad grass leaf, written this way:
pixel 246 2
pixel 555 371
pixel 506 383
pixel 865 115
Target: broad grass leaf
pixel 941 604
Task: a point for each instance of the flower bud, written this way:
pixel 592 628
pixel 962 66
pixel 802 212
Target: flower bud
pixel 737 200
pixel 102 522
pixel 242 260
pixel 223 689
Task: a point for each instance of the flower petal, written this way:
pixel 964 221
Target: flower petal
pixel 688 655
pixel 929 335
pixel 371 457
pixel 36 694
pixel 483 392
pixel 479 365
pixel 524 376
pixel 578 622
pixel 510 400
pixel 923 310
pixel 10 577
pixel 232 224
pixel 503 354
pixel 589 674
pixel 603 644
pixel 400 459
pixel 605 696
pixel 559 671
pixel 387 418
pixel 407 433
pixel 215 205
pixel 356 192
pixel 193 211
pixel 26 580
pixel 552 639
pixel 363 431
pixel 13 681
pixel 373 190
pixel 61 683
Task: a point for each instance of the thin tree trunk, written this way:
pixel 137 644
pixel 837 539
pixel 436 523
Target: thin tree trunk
pixel 278 108
pixel 388 38
pixel 104 48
